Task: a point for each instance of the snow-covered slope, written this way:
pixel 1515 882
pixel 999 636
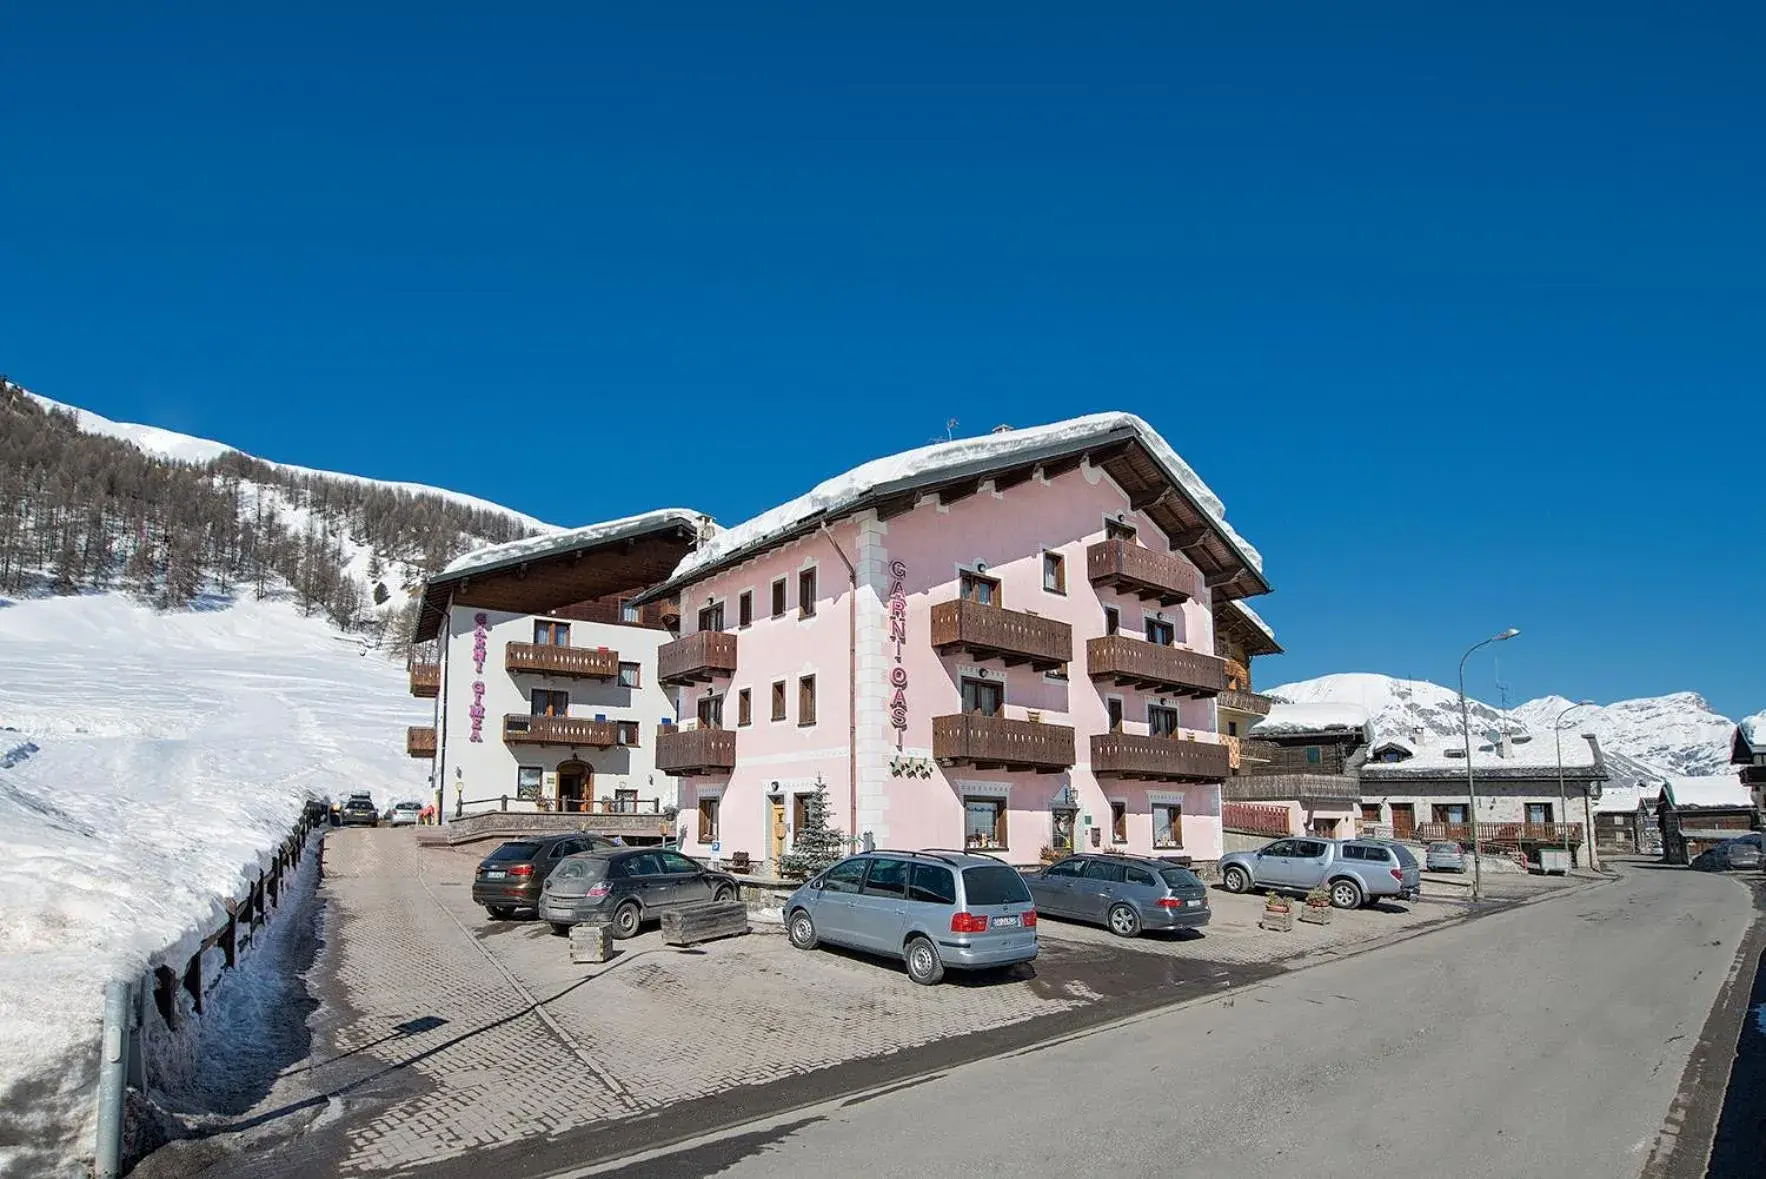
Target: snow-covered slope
pixel 1674 736
pixel 184 448
pixel 147 760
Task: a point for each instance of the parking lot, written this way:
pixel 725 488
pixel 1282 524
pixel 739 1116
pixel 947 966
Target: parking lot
pixel 442 1031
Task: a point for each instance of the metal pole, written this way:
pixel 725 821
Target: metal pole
pixel 1557 736
pixel 1465 716
pixel 113 1079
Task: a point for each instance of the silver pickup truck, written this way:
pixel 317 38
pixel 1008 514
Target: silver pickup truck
pixel 1356 871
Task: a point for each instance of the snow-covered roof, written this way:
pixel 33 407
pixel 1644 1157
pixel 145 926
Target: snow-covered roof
pixel 1709 790
pixel 1437 754
pixel 1294 719
pixel 1394 743
pixel 553 543
pixel 1753 731
pixel 1254 619
pixel 945 460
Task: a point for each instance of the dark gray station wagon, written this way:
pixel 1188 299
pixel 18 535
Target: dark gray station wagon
pixel 1124 894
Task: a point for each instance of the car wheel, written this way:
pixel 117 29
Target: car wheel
pixel 1346 894
pixel 802 931
pixel 1235 879
pixel 1124 921
pixel 559 928
pixel 923 964
pixel 724 893
pixel 626 920
pixel 499 912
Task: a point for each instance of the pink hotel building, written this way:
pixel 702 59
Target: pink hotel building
pixel 1002 643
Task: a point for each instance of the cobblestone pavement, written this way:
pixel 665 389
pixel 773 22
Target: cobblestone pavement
pixel 444 1034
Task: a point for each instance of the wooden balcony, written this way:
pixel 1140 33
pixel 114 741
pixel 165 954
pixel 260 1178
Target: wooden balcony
pixel 695 751
pixel 1499 835
pixel 996 743
pixel 420 741
pixel 589 663
pixel 1175 671
pixel 1157 759
pixel 699 658
pixel 521 729
pixel 993 632
pixel 1247 702
pixel 1332 789
pixel 426 680
pixel 1130 568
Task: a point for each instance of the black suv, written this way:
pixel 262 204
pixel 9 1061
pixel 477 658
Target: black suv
pixel 511 877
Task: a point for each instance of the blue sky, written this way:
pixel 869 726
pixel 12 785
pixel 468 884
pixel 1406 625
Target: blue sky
pixel 1462 313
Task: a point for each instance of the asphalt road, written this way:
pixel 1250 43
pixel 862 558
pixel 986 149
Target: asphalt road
pixel 1549 1040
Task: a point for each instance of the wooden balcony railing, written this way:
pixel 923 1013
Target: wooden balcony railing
pixel 1134 569
pixel 1248 702
pixel 698 658
pixel 593 663
pixel 695 751
pixel 521 729
pixel 420 741
pixel 1327 788
pixel 1131 662
pixel 1251 750
pixel 994 742
pixel 1160 759
pixel 993 632
pixel 1498 834
pixel 426 680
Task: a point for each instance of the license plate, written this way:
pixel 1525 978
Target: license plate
pixel 998 922
pixel 1194 903
pixel 494 875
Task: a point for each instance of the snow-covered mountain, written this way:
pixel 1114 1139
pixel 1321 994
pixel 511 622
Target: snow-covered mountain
pixel 1659 736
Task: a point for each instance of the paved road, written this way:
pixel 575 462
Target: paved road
pixel 1548 1041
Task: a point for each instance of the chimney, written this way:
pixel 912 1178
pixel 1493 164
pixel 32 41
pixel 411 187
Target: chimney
pixel 1416 738
pixel 1505 747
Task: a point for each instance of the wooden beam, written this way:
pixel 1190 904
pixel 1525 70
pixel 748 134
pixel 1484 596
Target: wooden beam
pixel 1223 578
pixel 1011 479
pixel 957 491
pixel 1107 454
pixel 900 505
pixel 1061 467
pixel 1190 538
pixel 1148 498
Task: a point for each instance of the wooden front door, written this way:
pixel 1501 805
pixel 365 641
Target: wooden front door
pixel 1403 820
pixel 778 809
pixel 576 787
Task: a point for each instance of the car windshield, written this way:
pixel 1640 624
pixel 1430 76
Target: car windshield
pixel 994 884
pixel 1180 878
pixel 512 851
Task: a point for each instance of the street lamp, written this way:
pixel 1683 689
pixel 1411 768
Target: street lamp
pixel 1465 716
pixel 1557 736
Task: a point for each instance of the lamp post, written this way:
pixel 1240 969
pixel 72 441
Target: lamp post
pixel 1465 716
pixel 1557 736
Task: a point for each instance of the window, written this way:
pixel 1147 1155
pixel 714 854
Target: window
pixel 745 608
pixel 1370 812
pixel 528 780
pixel 626 801
pixel 994 884
pixel 1141 877
pixel 1112 620
pixel 745 707
pixel 551 634
pixel 1119 529
pixel 1538 813
pixel 846 876
pixel 779 598
pixel 1378 855
pixel 887 878
pixel 673 862
pixel 547 702
pixel 1059 674
pixel 933 885
pixel 1353 851
pixel 708 820
pixel 627 731
pixel 628 675
pixel 1113 706
pixel 976 588
pixel 1054 573
pixel 806 594
pixel 711 712
pixel 1108 871
pixel 1450 812
pixel 985 822
pixel 1281 847
pixel 1067 868
pixel 1161 632
pixel 1062 839
pixel 712 617
pixel 1167 825
pixel 1313 755
pixel 1118 822
pixel 778 700
pixel 1161 721
pixel 987 697
pixel 1308 849
pixel 1232 728
pixel 628 610
pixel 806 700
pixel 644 864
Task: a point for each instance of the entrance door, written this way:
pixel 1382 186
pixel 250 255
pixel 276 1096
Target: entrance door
pixel 778 809
pixel 1404 820
pixel 576 786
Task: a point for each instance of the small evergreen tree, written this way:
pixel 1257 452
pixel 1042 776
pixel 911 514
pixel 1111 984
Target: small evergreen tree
pixel 817 843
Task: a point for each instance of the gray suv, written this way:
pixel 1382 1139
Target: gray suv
pixel 1125 894
pixel 626 887
pixel 1355 871
pixel 932 909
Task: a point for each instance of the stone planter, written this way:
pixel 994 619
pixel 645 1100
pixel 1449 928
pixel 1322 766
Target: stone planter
pixel 1316 914
pixel 1280 920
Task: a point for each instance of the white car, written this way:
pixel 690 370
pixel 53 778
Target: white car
pixel 405 814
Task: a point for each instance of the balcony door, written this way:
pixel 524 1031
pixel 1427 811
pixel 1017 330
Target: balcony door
pixel 1161 721
pixel 550 703
pixel 1161 632
pixel 711 712
pixel 551 634
pixel 988 697
pixel 576 787
pixel 984 591
pixel 712 617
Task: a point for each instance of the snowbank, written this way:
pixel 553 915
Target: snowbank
pixel 171 751
pixel 572 538
pixel 1309 718
pixel 835 494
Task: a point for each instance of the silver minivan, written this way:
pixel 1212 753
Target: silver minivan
pixel 934 910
